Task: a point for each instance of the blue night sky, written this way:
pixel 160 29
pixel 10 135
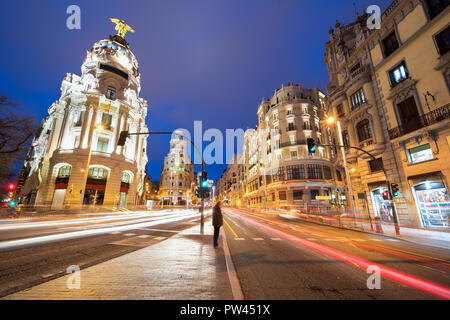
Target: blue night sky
pixel 209 60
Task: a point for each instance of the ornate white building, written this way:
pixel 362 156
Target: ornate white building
pixel 177 181
pixel 74 158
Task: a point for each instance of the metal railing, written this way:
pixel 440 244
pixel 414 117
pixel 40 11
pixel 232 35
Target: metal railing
pixel 425 120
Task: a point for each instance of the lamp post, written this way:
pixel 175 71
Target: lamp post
pixel 263 170
pixel 86 171
pixel 125 134
pixel 347 171
pixel 331 120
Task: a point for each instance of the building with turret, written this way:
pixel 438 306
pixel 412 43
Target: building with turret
pixel 177 182
pixel 74 159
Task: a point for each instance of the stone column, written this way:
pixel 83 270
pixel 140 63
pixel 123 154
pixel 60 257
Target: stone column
pixel 92 127
pixel 85 128
pixel 373 111
pixel 62 128
pixel 120 123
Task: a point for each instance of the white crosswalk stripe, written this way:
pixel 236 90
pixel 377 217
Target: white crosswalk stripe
pixel 258 239
pixel 276 239
pixel 144 236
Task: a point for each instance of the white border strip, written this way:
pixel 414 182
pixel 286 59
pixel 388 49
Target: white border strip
pixel 232 275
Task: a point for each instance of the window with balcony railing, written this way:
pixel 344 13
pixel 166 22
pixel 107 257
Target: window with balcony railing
pixel 364 130
pixel 291 127
pixel 358 98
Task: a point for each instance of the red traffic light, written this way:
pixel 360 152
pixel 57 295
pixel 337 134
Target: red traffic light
pixel 386 195
pixel 11 186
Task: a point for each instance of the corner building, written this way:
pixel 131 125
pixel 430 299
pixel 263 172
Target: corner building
pixel 74 159
pixel 280 169
pixel 177 181
pixel 390 89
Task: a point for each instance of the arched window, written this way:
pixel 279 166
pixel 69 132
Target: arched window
pixel 364 130
pixel 64 172
pixel 98 173
pixel 125 177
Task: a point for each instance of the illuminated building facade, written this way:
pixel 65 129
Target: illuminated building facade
pixel 74 159
pixel 177 182
pixel 390 89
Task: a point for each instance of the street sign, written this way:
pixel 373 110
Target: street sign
pixel 362 196
pixel 323 197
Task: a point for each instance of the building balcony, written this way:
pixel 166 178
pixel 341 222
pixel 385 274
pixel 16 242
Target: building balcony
pixel 370 146
pixel 289 129
pixel 428 119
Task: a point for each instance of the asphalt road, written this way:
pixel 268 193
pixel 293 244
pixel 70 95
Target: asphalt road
pixel 33 251
pixel 280 257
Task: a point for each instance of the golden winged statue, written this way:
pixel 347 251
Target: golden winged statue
pixel 121 27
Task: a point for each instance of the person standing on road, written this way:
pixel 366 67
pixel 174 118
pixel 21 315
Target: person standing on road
pixel 217 221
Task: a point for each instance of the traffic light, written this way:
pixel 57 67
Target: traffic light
pixel 395 189
pixel 122 138
pixel 311 145
pixel 203 188
pixel 11 186
pixel 12 203
pixel 208 193
pixel 386 195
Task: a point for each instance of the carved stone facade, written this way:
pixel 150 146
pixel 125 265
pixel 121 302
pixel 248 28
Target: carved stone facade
pixel 74 159
pixel 390 90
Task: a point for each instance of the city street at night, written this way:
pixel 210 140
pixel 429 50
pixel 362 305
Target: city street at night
pixel 225 159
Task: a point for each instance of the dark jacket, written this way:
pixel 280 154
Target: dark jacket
pixel 217 219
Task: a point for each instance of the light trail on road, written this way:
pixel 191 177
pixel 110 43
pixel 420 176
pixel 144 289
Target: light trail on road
pixel 143 223
pixel 418 283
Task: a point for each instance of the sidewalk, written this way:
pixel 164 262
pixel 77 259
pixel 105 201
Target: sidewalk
pixel 183 267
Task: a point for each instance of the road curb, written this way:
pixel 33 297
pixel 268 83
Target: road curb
pixel 232 274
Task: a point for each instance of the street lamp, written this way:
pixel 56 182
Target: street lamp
pixel 97 126
pixel 263 169
pixel 330 121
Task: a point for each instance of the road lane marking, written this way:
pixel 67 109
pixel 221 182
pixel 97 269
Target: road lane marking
pixel 160 238
pixel 115 232
pixel 239 239
pixel 276 239
pixel 129 234
pixel 258 239
pixel 231 271
pixel 235 235
pixel 144 236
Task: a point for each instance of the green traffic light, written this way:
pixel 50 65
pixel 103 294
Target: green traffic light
pixel 204 184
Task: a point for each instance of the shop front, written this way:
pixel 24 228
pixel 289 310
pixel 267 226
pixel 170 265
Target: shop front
pixel 433 204
pixel 382 207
